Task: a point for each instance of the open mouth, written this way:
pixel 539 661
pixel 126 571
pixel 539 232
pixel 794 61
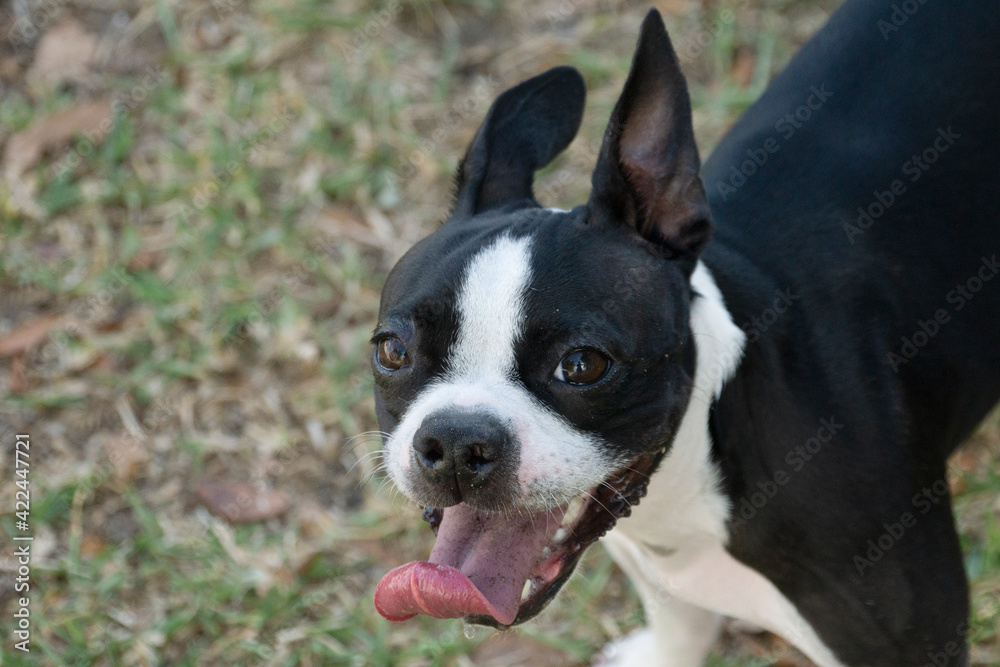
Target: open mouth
pixel 499 570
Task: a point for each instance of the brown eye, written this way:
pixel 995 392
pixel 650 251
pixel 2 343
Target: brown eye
pixel 391 354
pixel 582 367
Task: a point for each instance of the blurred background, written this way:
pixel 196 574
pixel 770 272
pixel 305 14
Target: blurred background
pixel 199 203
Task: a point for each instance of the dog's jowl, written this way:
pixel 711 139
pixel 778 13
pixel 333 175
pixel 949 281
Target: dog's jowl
pixel 717 353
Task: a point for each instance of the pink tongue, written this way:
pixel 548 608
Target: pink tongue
pixel 479 564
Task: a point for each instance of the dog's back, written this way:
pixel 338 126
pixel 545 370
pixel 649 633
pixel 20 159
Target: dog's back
pixel 856 213
pixel 880 185
pixel 858 249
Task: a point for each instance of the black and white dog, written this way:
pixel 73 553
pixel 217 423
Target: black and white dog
pixel 784 396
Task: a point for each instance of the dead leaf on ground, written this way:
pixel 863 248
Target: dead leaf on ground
pixel 101 362
pixel 128 456
pixel 10 70
pixel 53 131
pixel 964 463
pixel 91 545
pixel 743 67
pixel 18 375
pixel 144 260
pixel 241 503
pixel 26 336
pixel 341 222
pixel 65 53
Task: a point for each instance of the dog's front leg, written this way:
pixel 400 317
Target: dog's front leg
pixel 678 634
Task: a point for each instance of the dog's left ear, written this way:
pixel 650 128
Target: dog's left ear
pixel 525 128
pixel 647 174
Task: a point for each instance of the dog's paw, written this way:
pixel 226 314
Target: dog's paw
pixel 636 649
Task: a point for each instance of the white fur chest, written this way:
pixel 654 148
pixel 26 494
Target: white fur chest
pixel 673 545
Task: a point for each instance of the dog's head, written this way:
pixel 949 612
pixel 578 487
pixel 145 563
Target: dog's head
pixel 532 365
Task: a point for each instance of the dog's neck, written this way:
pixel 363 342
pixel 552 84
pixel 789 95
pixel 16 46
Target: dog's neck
pixel 685 498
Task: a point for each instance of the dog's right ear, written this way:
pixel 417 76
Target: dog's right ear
pixel 647 175
pixel 526 127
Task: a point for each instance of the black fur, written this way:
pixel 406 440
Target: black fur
pixel 793 225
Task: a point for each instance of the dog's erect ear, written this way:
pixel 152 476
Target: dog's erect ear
pixel 525 128
pixel 647 174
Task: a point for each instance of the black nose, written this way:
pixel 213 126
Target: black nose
pixel 461 452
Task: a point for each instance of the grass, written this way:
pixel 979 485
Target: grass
pixel 215 261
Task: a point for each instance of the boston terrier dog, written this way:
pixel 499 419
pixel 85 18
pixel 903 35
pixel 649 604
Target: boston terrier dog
pixel 775 353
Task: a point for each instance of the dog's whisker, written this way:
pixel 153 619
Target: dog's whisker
pixel 594 498
pixel 382 467
pixel 364 434
pixel 362 439
pixel 630 469
pixel 618 494
pixel 370 455
pixel 361 444
pixel 382 485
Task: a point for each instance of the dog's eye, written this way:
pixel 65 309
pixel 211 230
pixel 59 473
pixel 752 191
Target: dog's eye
pixel 581 367
pixel 391 354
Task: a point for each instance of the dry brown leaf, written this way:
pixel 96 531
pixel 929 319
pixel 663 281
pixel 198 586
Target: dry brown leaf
pixel 91 545
pixel 53 131
pixel 128 456
pixel 10 70
pixel 18 375
pixel 144 260
pixel 26 336
pixel 101 362
pixel 964 463
pixel 743 67
pixel 314 520
pixel 64 53
pixel 241 503
pixel 341 222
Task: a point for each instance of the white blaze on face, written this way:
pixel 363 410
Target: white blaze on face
pixel 491 311
pixel 557 461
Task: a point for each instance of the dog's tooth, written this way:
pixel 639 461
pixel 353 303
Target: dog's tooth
pixel 573 511
pixel 560 534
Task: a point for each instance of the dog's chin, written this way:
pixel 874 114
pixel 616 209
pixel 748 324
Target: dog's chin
pixel 502 569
